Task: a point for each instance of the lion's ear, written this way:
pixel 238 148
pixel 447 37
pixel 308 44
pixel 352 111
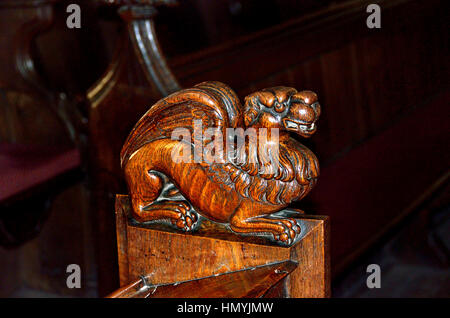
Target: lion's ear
pixel 307 97
pixel 266 98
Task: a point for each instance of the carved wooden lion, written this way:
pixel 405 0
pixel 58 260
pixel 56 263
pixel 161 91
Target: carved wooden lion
pixel 241 185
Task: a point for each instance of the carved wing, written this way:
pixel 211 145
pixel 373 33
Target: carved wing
pixel 213 103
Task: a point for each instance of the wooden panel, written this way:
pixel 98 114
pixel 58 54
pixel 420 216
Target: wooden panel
pixel 116 103
pixel 365 78
pixel 254 282
pixel 378 183
pixel 312 279
pixel 122 206
pixel 166 256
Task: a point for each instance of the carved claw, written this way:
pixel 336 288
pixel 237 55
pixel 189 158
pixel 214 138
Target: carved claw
pixel 188 218
pixel 180 213
pixel 291 230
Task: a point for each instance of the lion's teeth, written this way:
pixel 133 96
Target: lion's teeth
pixel 291 124
pixel 307 127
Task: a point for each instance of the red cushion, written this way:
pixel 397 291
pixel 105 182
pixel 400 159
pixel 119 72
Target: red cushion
pixel 23 166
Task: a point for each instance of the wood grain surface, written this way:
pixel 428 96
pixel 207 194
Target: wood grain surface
pixel 165 256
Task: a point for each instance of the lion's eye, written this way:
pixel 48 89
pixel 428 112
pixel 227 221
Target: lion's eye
pixel 279 107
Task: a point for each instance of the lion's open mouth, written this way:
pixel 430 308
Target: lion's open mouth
pixel 299 126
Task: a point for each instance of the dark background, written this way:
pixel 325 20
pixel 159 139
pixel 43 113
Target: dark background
pixel 382 140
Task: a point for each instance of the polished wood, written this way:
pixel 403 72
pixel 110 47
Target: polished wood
pixel 254 282
pixel 44 224
pixel 136 77
pixel 241 187
pixel 163 255
pixel 370 80
pixel 24 92
pixel 366 84
pixel 391 159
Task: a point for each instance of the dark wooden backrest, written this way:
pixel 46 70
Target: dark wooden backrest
pixel 24 93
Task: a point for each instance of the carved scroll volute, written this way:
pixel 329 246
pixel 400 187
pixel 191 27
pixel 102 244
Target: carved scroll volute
pixel 139 18
pixel 138 74
pixel 18 68
pixel 21 23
